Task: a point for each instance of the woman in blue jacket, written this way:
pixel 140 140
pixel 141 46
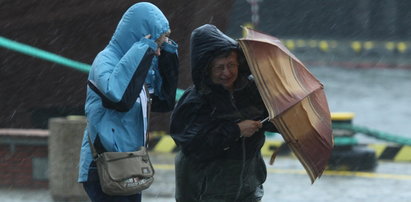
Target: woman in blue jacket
pixel 139 54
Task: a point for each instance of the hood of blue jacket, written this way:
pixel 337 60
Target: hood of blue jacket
pixel 138 21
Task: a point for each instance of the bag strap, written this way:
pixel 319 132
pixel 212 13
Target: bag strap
pixel 148 114
pixel 147 134
pixel 93 150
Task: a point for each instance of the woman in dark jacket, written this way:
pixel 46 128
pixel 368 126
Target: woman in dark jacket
pixel 217 125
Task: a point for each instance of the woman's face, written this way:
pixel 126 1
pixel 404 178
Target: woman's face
pixel 224 71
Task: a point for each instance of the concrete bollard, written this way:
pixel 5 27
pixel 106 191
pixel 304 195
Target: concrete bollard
pixel 65 139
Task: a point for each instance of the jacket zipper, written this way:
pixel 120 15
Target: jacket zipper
pixel 233 102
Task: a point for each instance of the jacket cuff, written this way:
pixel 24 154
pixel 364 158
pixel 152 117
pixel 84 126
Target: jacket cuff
pixel 170 47
pixel 235 131
pixel 150 43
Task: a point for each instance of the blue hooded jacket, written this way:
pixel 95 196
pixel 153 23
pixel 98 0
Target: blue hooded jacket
pixel 116 102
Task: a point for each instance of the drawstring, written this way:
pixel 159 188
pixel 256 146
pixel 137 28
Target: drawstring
pixel 242 169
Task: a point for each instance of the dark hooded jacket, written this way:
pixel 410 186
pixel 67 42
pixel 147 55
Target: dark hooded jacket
pixel 215 163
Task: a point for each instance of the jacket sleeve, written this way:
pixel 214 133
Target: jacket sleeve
pixel 198 135
pixel 168 65
pixel 119 83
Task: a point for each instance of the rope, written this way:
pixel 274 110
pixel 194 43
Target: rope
pixel 374 133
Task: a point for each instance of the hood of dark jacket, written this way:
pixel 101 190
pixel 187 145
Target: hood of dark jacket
pixel 206 43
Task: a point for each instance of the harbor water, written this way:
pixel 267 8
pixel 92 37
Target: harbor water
pixel 379 97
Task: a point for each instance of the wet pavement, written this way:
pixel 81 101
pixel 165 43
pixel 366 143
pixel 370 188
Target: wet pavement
pixel 287 181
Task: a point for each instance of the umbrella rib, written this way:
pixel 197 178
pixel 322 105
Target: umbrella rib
pixel 292 143
pixel 295 103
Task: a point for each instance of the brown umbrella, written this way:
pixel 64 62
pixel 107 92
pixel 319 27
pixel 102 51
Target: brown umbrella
pixel 294 98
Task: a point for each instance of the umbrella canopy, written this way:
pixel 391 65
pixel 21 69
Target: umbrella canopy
pixel 294 98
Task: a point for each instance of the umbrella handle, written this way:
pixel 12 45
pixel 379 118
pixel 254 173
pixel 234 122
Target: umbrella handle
pixel 264 120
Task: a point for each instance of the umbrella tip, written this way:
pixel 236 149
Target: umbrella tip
pixel 273 157
pixel 246 30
